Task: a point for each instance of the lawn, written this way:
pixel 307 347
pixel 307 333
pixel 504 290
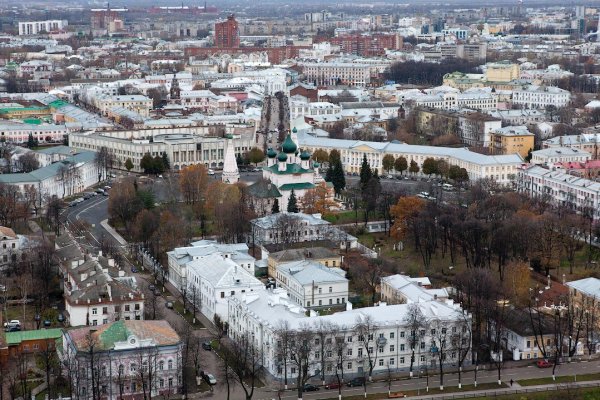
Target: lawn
pixel 422 392
pixel 178 306
pixel 573 393
pixel 559 379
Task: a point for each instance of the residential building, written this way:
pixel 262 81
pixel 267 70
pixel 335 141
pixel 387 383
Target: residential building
pixel 227 33
pixel 313 285
pixel 511 140
pixel 586 289
pixel 367 45
pixel 519 116
pixel 579 194
pixel 13 344
pixel 180 257
pixel 321 255
pixel 502 169
pixel 11 245
pixel 553 155
pixel 502 71
pixel 137 103
pixel 213 278
pixel 480 100
pixel 312 109
pixel 524 339
pixel 540 97
pixel 41 27
pixel 589 142
pixel 95 297
pixel 400 289
pixel 385 345
pixel 128 359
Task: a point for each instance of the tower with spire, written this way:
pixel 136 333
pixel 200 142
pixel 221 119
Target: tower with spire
pixel 231 174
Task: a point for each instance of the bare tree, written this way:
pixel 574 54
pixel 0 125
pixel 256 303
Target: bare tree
pixel 440 346
pixel 284 335
pixel 245 357
pixel 324 342
pixel 366 328
pixel 300 351
pixel 146 370
pixel 461 340
pixel 340 353
pixel 416 323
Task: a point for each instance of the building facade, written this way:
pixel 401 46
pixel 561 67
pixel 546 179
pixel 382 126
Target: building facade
pixel 227 33
pixel 37 27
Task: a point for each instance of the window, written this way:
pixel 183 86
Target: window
pixel 392 334
pixel 349 352
pixel 370 336
pixel 329 354
pixel 349 340
pixel 528 343
pixel 121 369
pixel 402 334
pixel 381 362
pixel 94 311
pixel 222 295
pixel 104 310
pixel 392 361
pixel 422 359
pixel 361 338
pixel 137 307
pixel 293 370
pixel 380 349
pixel 317 341
pixel 161 365
pixel 127 308
pixel 95 322
pixel 320 302
pixel 103 371
pixel 401 360
pixel 360 351
pixel 392 347
pixel 422 345
pixel 370 350
pixel 161 383
pixel 105 321
pixel 349 366
pixel 433 332
pixel 133 367
pixel 170 364
pixel 170 382
pixel 330 290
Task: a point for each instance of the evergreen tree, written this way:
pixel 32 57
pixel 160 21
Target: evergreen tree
pixel 157 165
pixel 329 173
pixel 165 162
pixel 275 208
pixel 337 178
pixel 31 142
pixel 239 160
pixel 292 203
pixel 129 164
pixel 146 163
pixel 365 173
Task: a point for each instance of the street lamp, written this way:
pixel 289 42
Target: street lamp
pixel 38 319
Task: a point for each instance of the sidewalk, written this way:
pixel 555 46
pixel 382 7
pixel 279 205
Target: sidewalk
pixel 113 233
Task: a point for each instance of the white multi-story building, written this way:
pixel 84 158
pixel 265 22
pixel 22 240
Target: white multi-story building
pixel 180 257
pixel 10 245
pixel 313 285
pixel 553 155
pixel 519 117
pixel 213 278
pixel 385 344
pixel 483 101
pixel 541 96
pixel 124 358
pixel 301 109
pixel 36 27
pixel 14 132
pixel 589 142
pixel 580 194
pixel 501 168
pixel 136 103
pixel 336 73
pixel 182 149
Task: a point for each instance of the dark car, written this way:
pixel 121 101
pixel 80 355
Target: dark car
pixel 359 381
pixel 310 388
pixel 134 270
pixel 334 385
pixel 207 346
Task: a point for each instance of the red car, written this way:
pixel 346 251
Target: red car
pixel 334 385
pixel 544 364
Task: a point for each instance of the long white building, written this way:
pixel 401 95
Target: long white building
pixel 386 344
pixel 532 96
pixel 34 27
pixel 501 168
pixel 580 194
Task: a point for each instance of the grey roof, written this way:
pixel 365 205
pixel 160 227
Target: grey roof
pixel 48 171
pixel 306 272
pixel 270 221
pixel 587 286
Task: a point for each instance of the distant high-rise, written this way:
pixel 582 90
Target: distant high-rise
pixel 579 11
pixel 227 33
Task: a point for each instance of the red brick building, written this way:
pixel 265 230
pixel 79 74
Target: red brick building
pixel 227 33
pixel 367 45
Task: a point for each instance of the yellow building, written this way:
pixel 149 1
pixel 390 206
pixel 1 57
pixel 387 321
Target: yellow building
pixel 511 140
pixel 322 255
pixel 502 71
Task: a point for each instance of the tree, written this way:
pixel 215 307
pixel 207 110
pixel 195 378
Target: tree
pixel 366 328
pixel 284 335
pixel 388 162
pixel 245 360
pixel 292 205
pixel 317 200
pixel 414 167
pixel 429 166
pixel 256 155
pixel 400 164
pixel 335 173
pixel 442 168
pixel 416 323
pixel 31 141
pixel 370 195
pixel 124 204
pixel 365 174
pixel 275 208
pixel 129 164
pixel 320 156
pixel 29 162
pixel 193 184
pixel 300 356
pixel 165 162
pixel 146 163
pixel 405 213
pixel 440 346
pixel 104 160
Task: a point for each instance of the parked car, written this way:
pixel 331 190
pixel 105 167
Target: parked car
pixel 12 329
pixel 211 172
pixel 310 388
pixel 206 346
pixel 334 385
pixel 169 305
pixel 209 378
pixel 134 270
pixel 358 381
pixel 544 364
pixel 100 191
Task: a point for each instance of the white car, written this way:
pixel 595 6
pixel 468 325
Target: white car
pixel 211 172
pixel 14 322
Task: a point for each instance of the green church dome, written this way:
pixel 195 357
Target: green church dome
pixel 282 157
pixel 305 155
pixel 294 130
pixel 229 136
pixel 271 153
pixel 288 146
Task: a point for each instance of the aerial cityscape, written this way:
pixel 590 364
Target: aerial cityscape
pixel 313 200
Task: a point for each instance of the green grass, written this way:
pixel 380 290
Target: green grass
pixel 573 393
pixel 559 379
pixel 422 392
pixel 178 306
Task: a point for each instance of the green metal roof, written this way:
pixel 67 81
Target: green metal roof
pixel 14 338
pixel 296 186
pixel 289 169
pixel 116 332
